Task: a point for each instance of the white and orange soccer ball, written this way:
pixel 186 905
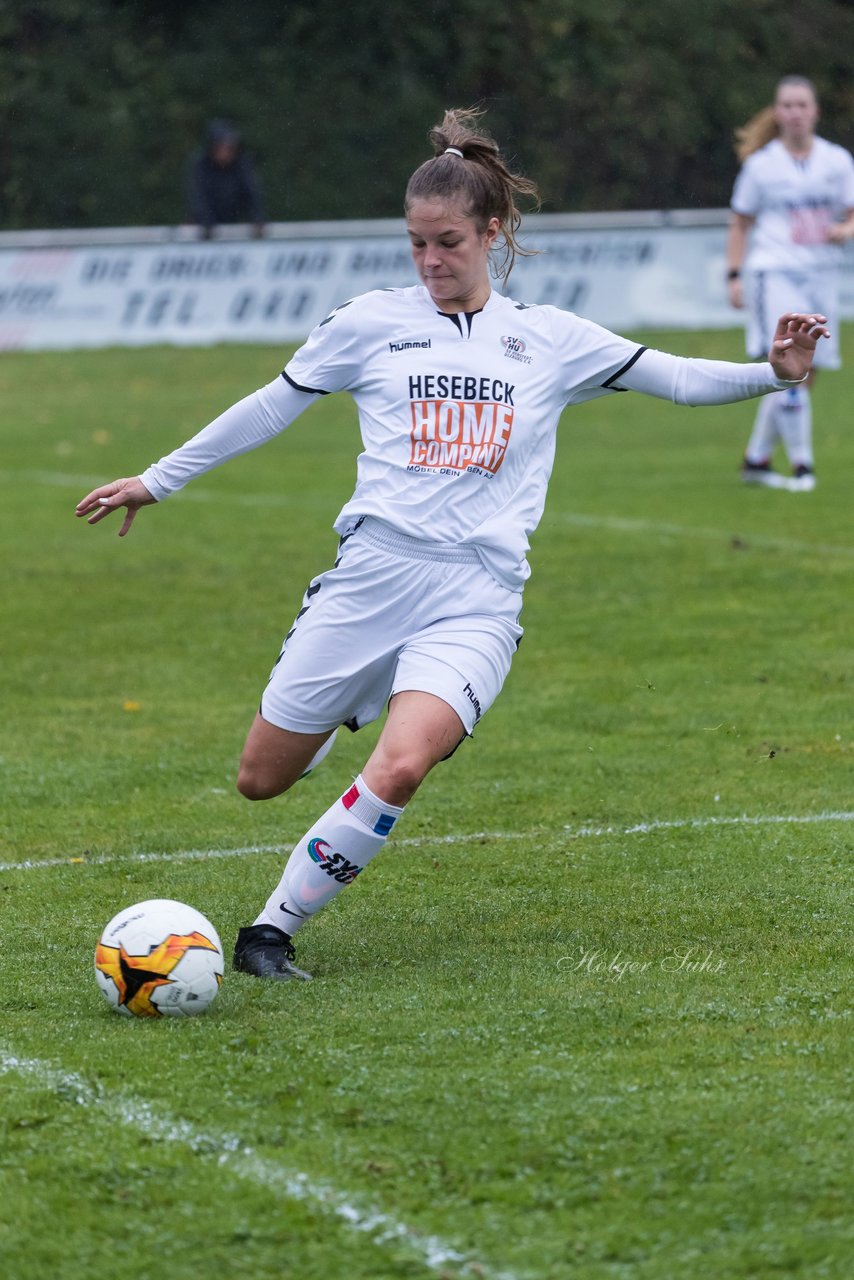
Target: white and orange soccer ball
pixel 157 958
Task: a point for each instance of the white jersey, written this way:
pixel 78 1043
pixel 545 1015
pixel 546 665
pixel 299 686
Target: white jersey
pixel 457 412
pixel 794 202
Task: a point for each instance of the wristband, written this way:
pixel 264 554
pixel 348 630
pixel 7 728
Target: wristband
pixel 733 273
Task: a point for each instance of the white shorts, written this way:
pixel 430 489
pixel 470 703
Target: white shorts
pixel 394 614
pixel 770 294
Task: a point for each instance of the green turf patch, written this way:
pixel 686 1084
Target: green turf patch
pixel 588 1014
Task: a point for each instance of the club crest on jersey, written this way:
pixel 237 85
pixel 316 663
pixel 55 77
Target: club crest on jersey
pixel 514 349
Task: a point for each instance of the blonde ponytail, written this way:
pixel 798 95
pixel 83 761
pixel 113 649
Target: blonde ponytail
pixel 757 133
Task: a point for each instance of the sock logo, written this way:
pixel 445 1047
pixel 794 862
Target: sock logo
pixel 334 864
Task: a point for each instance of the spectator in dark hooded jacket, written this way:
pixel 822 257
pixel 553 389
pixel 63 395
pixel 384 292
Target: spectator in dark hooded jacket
pixel 223 185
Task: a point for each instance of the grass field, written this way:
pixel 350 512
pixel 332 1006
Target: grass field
pixel 586 1017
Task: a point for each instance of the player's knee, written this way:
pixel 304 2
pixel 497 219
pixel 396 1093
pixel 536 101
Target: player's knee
pixel 400 776
pixel 254 784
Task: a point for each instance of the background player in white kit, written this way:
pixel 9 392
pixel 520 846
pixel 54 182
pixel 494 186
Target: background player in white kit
pixel 459 392
pixel 792 209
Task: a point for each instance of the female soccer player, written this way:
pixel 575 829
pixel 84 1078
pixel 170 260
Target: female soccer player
pixel 793 204
pixel 459 391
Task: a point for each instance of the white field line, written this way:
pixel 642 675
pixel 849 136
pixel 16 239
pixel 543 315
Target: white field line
pixel 742 820
pixel 426 842
pixel 229 1152
pixel 615 524
pixel 621 524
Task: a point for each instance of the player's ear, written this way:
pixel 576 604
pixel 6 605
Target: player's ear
pixel 492 232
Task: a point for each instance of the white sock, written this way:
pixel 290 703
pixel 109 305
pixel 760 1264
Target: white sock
pixel 320 754
pixel 763 437
pixel 330 856
pixel 795 423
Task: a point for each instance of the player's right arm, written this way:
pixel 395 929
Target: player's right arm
pixel 130 493
pixel 330 360
pixel 246 425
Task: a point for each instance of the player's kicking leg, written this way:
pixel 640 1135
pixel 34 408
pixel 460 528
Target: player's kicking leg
pixel 274 759
pixel 421 729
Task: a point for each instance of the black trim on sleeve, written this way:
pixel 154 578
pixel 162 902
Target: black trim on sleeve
pixel 615 377
pixel 309 391
pixel 334 313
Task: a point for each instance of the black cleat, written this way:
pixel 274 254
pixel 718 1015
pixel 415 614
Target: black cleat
pixel 266 952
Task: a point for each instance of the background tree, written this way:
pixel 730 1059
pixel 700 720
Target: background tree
pixel 609 106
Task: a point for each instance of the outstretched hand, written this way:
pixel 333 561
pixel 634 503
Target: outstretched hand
pixel 795 340
pixel 130 493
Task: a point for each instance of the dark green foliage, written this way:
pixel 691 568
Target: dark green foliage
pixel 609 106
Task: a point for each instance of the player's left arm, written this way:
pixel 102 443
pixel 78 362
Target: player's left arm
pixel 839 232
pixel 691 381
pixel 740 225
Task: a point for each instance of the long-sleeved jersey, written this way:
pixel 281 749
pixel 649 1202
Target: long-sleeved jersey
pixel 458 413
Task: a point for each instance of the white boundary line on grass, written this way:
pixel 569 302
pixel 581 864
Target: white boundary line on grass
pixel 421 842
pixel 615 524
pixel 230 1152
pixel 742 820
pixel 624 524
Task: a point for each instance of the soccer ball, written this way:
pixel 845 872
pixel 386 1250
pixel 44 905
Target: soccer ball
pixel 159 957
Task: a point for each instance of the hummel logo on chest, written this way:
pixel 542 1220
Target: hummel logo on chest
pixel 408 346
